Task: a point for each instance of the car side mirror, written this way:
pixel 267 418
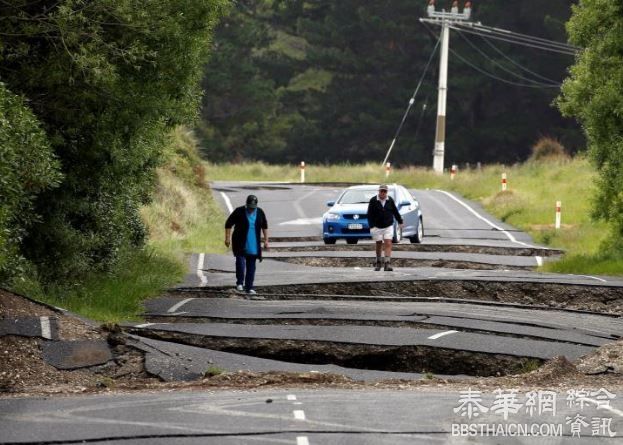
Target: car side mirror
pixel 330 203
pixel 405 203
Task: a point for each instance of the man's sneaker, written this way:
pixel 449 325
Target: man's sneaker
pixel 377 266
pixel 251 292
pixel 388 267
pixel 239 288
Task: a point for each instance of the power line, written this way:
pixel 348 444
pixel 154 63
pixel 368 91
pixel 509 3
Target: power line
pixel 511 72
pixel 486 73
pixel 526 37
pixel 517 64
pixel 536 45
pixel 411 101
pixel 493 76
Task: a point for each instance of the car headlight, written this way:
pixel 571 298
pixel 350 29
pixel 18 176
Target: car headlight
pixel 331 216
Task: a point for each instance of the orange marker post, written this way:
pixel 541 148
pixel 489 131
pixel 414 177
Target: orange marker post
pixel 453 171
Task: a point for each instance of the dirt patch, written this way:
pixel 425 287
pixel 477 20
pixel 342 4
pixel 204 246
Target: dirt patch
pixel 405 247
pixel 23 369
pixel 608 359
pixel 396 262
pixel 602 299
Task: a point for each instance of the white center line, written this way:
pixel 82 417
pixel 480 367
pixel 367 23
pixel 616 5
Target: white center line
pixel 46 330
pixel 594 278
pixel 302 440
pixel 144 325
pixel 510 236
pixel 202 278
pixel 291 397
pixel 299 414
pixel 175 307
pixel 227 202
pixel 441 334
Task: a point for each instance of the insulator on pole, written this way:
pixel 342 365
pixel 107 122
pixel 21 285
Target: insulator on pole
pixel 431 7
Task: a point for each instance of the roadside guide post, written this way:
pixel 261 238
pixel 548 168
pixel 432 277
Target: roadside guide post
pixel 302 171
pixel 504 185
pixel 453 171
pixel 558 208
pixel 388 167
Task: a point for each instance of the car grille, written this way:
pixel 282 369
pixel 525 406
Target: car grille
pixel 364 216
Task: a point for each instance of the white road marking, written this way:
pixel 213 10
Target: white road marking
pixel 46 330
pixel 297 403
pixel 475 213
pixel 202 278
pixel 441 334
pixel 594 278
pixel 227 202
pixel 297 204
pixel 291 397
pixel 302 440
pixel 302 222
pixel 299 414
pixel 539 261
pixel 144 325
pixel 175 307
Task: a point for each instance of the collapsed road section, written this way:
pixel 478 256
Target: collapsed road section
pixel 465 302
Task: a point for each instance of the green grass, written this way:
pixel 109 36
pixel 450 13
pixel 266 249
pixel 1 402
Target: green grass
pixel 529 203
pixel 115 296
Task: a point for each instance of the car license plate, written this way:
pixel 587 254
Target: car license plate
pixel 355 226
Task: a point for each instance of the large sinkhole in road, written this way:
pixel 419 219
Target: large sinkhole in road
pixel 412 359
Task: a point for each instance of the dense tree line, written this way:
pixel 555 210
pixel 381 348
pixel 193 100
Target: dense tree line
pixel 328 81
pixel 89 90
pixel 594 95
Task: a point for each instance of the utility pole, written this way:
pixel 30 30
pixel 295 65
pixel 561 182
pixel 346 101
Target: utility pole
pixel 445 19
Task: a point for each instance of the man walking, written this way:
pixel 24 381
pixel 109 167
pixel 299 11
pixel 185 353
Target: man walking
pixel 247 222
pixel 381 213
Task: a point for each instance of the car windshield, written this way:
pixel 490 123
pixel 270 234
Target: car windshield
pixel 357 196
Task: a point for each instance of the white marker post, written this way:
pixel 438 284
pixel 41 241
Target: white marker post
pixel 453 171
pixel 504 185
pixel 558 207
pixel 302 171
pixel 388 167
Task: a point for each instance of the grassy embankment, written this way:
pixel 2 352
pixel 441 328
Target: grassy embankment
pixel 533 189
pixel 182 218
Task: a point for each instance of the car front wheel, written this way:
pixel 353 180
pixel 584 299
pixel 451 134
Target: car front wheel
pixel 329 240
pixel 351 240
pixel 397 235
pixel 419 235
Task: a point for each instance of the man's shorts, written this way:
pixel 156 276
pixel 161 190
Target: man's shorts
pixel 381 234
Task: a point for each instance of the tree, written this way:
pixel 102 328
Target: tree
pixel 106 79
pixel 593 93
pixel 328 81
pixel 27 168
pixel 240 102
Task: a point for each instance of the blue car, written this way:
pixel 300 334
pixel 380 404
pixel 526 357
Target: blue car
pixel 347 219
